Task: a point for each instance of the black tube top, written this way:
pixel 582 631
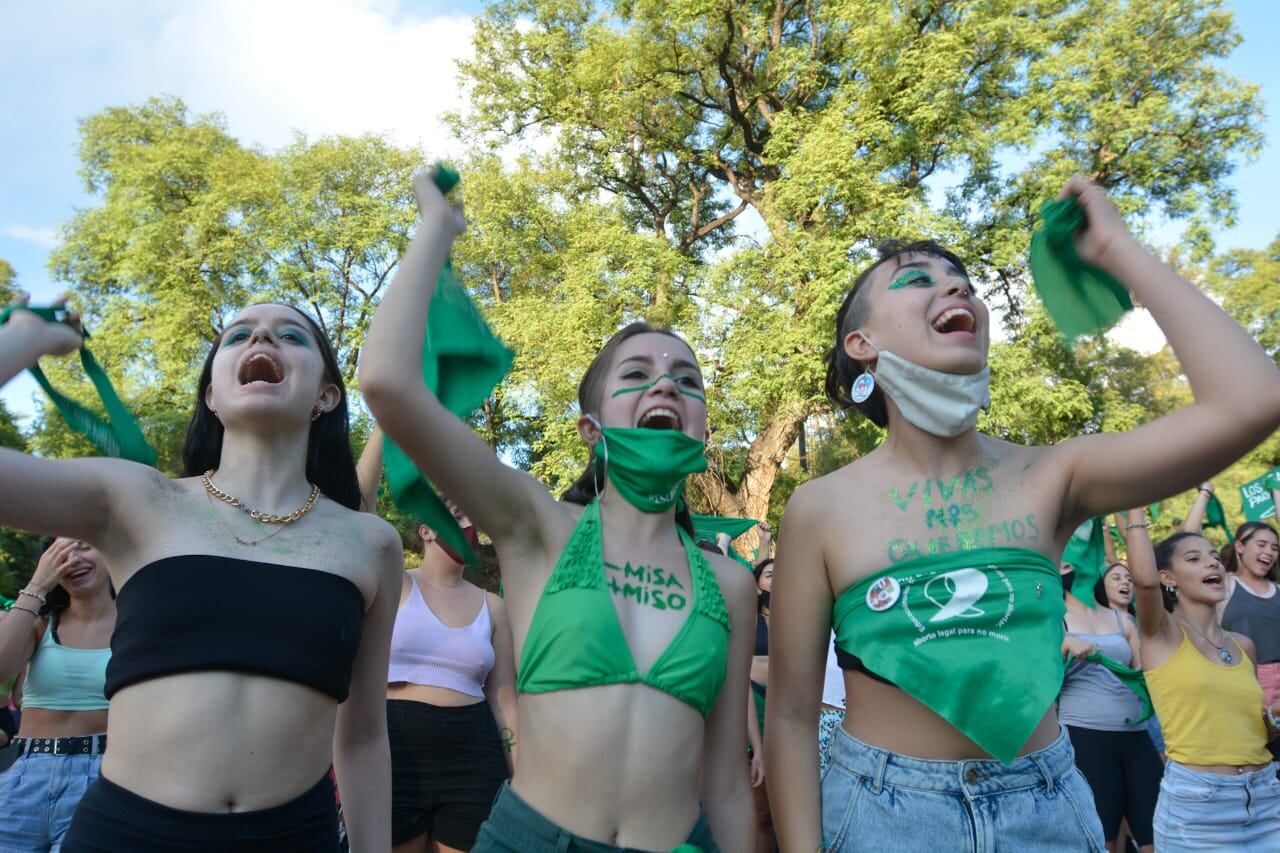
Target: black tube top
pixel 204 612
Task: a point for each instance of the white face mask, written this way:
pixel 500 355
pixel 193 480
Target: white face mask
pixel 943 404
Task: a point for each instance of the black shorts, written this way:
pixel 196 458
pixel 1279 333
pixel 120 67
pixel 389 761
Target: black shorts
pixel 446 767
pixel 1124 770
pixel 111 819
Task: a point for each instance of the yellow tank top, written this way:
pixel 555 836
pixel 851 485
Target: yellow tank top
pixel 1210 714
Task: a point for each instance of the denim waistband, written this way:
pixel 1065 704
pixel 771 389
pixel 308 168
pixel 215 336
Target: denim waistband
pixel 1236 780
pixel 969 778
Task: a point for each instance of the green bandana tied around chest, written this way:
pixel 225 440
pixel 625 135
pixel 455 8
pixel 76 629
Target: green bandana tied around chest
pixel 462 361
pixel 974 635
pixel 648 467
pixel 1080 298
pixel 1130 678
pixel 118 436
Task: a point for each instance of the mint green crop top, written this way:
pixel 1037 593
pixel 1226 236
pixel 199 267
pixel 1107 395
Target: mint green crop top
pixel 62 678
pixel 575 639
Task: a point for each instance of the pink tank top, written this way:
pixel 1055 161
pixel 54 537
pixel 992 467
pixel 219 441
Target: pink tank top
pixel 426 651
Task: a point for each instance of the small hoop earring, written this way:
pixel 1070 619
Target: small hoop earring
pixel 600 470
pixel 862 387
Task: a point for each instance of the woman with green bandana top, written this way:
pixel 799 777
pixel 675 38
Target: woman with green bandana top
pixel 632 645
pixel 934 557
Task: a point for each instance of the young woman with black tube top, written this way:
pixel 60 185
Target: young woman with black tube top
pixel 632 645
pixel 59 630
pixel 255 604
pixel 1113 749
pixel 935 558
pixel 451 693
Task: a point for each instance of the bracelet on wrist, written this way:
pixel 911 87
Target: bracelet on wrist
pixel 37 596
pixel 1143 524
pixel 1272 721
pixel 34 613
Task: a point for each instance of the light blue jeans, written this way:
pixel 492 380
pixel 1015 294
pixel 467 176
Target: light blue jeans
pixel 873 799
pixel 1206 811
pixel 38 796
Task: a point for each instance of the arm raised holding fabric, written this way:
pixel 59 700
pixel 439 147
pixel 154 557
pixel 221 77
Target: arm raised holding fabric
pixel 1227 370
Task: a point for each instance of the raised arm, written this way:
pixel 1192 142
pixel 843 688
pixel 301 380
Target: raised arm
pixel 500 686
pixel 1195 515
pixel 72 498
pixel 800 625
pixel 1153 620
pixel 1235 384
pixel 496 497
pixel 20 631
pixel 369 471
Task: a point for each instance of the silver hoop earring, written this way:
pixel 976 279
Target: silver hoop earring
pixel 600 469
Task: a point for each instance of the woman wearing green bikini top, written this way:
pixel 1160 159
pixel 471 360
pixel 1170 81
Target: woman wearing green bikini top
pixel 946 601
pixel 632 684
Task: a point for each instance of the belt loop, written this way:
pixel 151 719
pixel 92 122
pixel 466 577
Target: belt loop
pixel 1044 771
pixel 882 764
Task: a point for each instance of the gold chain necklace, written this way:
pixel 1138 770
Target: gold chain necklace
pixel 212 491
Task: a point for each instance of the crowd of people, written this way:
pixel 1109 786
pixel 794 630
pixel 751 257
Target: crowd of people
pixel 237 659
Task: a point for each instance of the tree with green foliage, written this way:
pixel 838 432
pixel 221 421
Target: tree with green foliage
pixel 750 155
pixel 1248 281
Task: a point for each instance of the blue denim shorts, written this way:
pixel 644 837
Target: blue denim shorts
pixel 38 796
pixel 1206 811
pixel 873 799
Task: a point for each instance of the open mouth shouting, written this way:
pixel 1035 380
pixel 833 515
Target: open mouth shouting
pixel 260 366
pixel 956 319
pixel 659 417
pixel 1214 582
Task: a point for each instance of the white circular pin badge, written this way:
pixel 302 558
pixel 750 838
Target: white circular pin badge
pixel 862 387
pixel 883 594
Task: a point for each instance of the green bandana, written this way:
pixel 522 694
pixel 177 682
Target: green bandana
pixel 708 527
pixel 119 436
pixel 974 635
pixel 1130 678
pixel 462 361
pixel 1216 516
pixel 649 466
pixel 1080 298
pixel 1087 552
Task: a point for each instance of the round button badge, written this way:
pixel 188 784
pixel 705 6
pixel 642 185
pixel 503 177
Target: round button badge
pixel 883 594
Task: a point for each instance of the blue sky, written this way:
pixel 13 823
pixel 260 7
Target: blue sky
pixel 320 66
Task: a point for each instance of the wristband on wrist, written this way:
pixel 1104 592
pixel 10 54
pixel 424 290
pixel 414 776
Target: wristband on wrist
pixel 37 596
pixel 1143 524
pixel 34 613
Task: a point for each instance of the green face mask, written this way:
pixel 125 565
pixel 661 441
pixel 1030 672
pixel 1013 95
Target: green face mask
pixel 648 466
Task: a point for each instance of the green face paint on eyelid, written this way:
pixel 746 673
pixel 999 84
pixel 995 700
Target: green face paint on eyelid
pixel 914 278
pixel 646 387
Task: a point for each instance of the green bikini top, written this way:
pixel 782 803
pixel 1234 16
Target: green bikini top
pixel 575 638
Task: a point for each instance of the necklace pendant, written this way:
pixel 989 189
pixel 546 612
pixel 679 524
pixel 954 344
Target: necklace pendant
pixel 1225 655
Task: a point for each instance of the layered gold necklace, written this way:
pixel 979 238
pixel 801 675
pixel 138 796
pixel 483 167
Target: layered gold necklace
pixel 262 517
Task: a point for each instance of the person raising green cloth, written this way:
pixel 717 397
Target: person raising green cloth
pixel 935 557
pixel 633 644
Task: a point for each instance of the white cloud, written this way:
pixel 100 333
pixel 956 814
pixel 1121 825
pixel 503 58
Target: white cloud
pixel 273 68
pixel 46 237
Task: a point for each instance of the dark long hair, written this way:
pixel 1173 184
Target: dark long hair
pixel 1245 532
pixel 1100 588
pixel 58 599
pixel 842 368
pixel 590 394
pixel 330 464
pixel 1164 551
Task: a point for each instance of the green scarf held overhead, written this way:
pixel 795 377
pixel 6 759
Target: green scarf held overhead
pixel 462 361
pixel 1087 552
pixel 119 436
pixel 1216 516
pixel 708 527
pixel 1133 679
pixel 1081 299
pixel 976 636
